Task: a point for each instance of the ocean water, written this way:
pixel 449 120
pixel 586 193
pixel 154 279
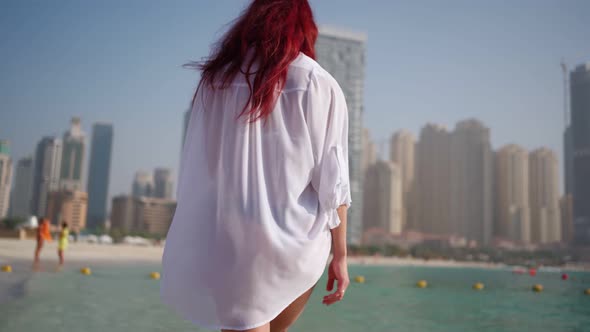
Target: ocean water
pixel 125 299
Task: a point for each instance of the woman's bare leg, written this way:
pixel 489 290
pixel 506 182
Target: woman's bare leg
pixel 38 250
pixel 288 316
pixel 60 254
pixel 263 328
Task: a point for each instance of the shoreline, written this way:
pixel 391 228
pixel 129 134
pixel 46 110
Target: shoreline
pixel 20 253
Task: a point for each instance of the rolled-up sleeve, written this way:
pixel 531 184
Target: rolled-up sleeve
pixel 329 135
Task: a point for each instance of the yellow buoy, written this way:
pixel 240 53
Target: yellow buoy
pixel 86 271
pixel 155 275
pixel 478 286
pixel 422 284
pixel 537 288
pixel 587 291
pixel 359 279
pixel 6 268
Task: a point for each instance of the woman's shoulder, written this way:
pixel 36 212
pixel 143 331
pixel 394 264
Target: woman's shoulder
pixel 305 69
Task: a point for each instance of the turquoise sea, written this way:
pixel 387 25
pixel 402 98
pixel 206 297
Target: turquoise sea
pixel 125 299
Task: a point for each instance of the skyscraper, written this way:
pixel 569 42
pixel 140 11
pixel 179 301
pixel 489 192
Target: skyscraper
pixel 369 151
pixel 46 172
pixel 382 206
pixel 163 184
pixel 432 181
pixel 99 173
pixel 568 160
pixel 568 153
pixel 343 55
pixel 5 178
pixel 402 153
pixel 72 158
pixel 580 144
pixel 566 205
pixel 4 147
pixel 512 217
pixel 153 215
pixel 472 181
pixel 22 194
pixel 143 184
pixel 146 214
pixel 544 196
pixel 122 210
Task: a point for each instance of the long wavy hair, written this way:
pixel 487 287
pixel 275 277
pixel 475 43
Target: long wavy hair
pixel 275 31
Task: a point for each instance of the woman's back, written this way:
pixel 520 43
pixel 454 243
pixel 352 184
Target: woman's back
pixel 256 199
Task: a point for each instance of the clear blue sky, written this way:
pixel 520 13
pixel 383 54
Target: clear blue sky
pixel 427 61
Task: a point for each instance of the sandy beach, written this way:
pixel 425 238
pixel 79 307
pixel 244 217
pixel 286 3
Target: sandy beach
pixel 90 253
pixel 86 253
pixel 78 253
pixel 19 254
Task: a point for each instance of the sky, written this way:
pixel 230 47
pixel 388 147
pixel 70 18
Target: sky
pixel 427 61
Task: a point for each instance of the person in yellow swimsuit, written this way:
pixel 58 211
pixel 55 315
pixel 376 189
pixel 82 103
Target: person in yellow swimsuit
pixel 62 243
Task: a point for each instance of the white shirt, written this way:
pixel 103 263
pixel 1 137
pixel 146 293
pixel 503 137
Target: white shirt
pixel 256 201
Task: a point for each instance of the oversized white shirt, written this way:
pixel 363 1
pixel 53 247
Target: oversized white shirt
pixel 256 201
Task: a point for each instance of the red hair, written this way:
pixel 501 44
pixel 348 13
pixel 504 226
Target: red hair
pixel 276 31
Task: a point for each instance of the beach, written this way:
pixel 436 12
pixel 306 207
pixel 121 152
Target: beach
pixel 119 295
pixel 20 252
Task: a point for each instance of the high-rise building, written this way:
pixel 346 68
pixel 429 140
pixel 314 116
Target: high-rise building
pixel 4 147
pixel 22 194
pixel 122 210
pixel 472 182
pixel 511 175
pixel 544 196
pixel 402 153
pixel 72 158
pixel 382 206
pixel 68 206
pixel 568 160
pixel 154 215
pixel 144 214
pixel 99 173
pixel 5 178
pixel 432 209
pixel 369 151
pixel 143 184
pixel 566 205
pixel 163 183
pixel 46 172
pixel 580 145
pixel 342 54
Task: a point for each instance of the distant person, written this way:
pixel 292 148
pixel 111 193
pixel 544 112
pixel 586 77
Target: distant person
pixel 43 234
pixel 264 186
pixel 63 241
pixel 76 233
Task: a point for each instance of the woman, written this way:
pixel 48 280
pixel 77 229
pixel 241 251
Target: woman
pixel 263 188
pixel 43 234
pixel 63 241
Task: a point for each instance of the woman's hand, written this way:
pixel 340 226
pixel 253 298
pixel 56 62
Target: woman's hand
pixel 337 271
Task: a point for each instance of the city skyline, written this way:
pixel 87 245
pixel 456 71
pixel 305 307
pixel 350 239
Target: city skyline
pixel 462 148
pixel 485 71
pixel 465 190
